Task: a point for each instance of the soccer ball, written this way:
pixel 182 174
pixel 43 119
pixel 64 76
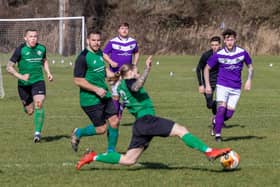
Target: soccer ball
pixel 230 160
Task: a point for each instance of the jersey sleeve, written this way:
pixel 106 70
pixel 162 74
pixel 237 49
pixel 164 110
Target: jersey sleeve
pixel 80 67
pixel 213 60
pixel 45 54
pixel 247 58
pixel 108 48
pixel 136 48
pixel 16 55
pixel 129 83
pixel 199 69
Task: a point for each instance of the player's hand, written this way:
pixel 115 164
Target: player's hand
pixel 247 86
pixel 149 61
pixel 208 90
pixel 114 64
pixel 50 77
pixel 101 92
pixel 201 89
pixel 24 77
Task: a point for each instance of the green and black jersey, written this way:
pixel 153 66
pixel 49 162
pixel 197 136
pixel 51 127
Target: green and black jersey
pixel 30 61
pixel 91 66
pixel 138 103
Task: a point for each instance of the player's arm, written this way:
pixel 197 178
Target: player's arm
pixel 199 74
pixel 47 69
pixel 110 61
pixel 79 77
pixel 84 84
pixel 11 70
pixel 248 83
pixel 136 58
pixel 141 80
pixel 11 65
pixel 208 88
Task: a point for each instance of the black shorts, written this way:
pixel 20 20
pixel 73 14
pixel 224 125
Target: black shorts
pixel 145 128
pixel 98 114
pixel 26 93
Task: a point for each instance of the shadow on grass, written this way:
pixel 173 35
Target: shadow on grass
pixel 233 126
pixel 127 124
pixel 161 166
pixel 236 138
pixel 54 138
pixel 230 126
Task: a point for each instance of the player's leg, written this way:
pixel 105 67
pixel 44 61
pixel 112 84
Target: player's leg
pixel 113 128
pixel 222 95
pixel 26 98
pixel 116 99
pixel 39 116
pixel 233 99
pixel 130 158
pixel 194 142
pixel 98 126
pixel 38 93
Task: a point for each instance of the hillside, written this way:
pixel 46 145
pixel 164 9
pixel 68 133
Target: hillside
pixel 169 26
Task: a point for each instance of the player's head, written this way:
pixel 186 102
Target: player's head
pixel 31 37
pixel 129 71
pixel 123 30
pixel 229 36
pixel 94 40
pixel 215 43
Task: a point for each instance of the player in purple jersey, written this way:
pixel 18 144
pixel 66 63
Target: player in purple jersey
pixel 120 51
pixel 230 59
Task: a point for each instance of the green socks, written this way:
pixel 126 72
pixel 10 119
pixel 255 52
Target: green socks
pixel 112 135
pixel 39 117
pixel 111 158
pixel 86 131
pixel 195 143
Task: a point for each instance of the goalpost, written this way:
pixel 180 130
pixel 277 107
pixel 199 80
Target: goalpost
pixel 61 35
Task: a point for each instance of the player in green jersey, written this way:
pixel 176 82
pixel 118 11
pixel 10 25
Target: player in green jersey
pixel 147 125
pixel 95 99
pixel 30 58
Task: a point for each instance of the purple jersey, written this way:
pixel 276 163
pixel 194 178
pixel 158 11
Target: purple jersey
pixel 121 51
pixel 230 66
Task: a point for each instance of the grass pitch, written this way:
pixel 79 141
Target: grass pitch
pixel 253 132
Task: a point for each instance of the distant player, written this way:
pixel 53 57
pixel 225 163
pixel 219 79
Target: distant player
pixel 119 51
pixel 95 98
pixel 230 59
pixel 215 45
pixel 146 125
pixel 30 58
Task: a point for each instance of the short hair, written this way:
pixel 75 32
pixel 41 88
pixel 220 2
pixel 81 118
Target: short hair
pixel 30 30
pixel 215 39
pixel 229 32
pixel 93 32
pixel 124 24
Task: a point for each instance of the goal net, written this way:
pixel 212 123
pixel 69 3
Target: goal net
pixel 60 35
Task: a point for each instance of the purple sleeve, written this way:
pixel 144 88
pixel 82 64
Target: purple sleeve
pixel 108 48
pixel 247 59
pixel 213 60
pixel 136 48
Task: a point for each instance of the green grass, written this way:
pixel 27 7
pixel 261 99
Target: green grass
pixel 254 133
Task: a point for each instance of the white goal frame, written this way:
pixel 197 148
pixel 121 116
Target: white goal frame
pixel 61 27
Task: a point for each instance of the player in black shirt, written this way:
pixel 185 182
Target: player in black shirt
pixel 215 44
